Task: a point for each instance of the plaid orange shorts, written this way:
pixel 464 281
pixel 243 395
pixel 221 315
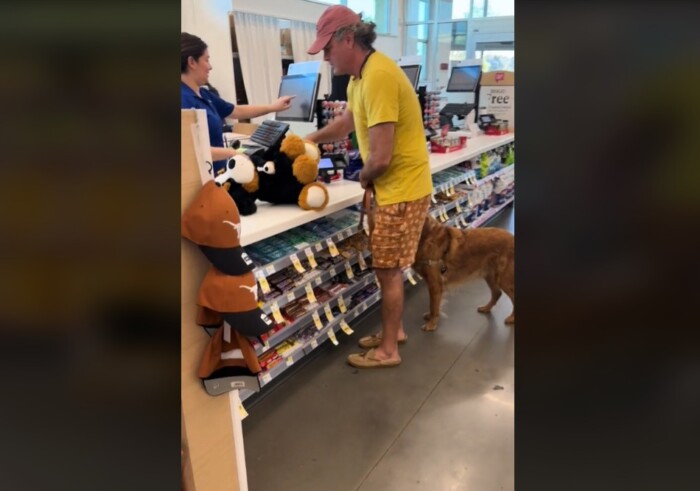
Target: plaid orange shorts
pixel 396 233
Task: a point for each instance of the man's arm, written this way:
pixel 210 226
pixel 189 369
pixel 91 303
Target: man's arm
pixel 336 130
pixel 381 147
pixel 219 153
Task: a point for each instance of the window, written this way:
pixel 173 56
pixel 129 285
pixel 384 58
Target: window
pixel 495 8
pixel 494 60
pixel 417 10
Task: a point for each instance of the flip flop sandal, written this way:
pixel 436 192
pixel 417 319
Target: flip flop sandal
pixel 367 360
pixel 375 340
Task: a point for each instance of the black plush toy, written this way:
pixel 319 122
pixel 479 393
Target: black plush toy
pixel 289 176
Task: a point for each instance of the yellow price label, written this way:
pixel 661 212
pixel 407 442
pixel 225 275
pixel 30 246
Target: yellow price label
pixel 310 293
pixel 361 261
pixel 332 248
pixel 331 336
pixel 443 214
pixel 376 281
pixel 289 361
pixel 411 279
pixel 314 344
pixel 297 263
pixel 432 199
pixel 329 313
pixel 270 269
pixel 452 189
pixel 341 304
pixel 266 378
pixel 242 411
pixel 290 296
pixel 264 284
pixel 310 256
pixel 276 314
pixel 318 247
pixel 317 320
pixel 348 270
pixel 346 328
pixel 459 208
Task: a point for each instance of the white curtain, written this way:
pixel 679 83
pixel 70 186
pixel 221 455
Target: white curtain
pixel 303 35
pixel 260 55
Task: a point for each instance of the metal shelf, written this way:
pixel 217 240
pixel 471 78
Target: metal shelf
pixel 284 262
pixel 299 291
pixel 306 319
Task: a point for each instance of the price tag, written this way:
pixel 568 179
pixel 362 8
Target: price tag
pixel 341 304
pixel 452 189
pixel 310 256
pixel 365 227
pixel 463 222
pixel 270 270
pixel 376 281
pixel 290 296
pixel 266 378
pixel 348 270
pixel 264 284
pixel 310 293
pixel 332 248
pixel 297 263
pixel 242 411
pixel 314 344
pixel 346 329
pixel 318 247
pixel 276 314
pixel 361 261
pixel 318 281
pixel 329 313
pixel 432 199
pixel 411 279
pixel 290 361
pixel 266 344
pixel 317 320
pixel 459 208
pixel 443 214
pixel 331 336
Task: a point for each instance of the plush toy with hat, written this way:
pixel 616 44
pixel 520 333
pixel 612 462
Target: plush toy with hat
pixel 289 176
pixel 229 291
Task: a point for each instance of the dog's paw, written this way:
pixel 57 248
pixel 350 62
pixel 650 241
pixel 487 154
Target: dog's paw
pixel 426 316
pixel 510 320
pixel 431 325
pixel 484 309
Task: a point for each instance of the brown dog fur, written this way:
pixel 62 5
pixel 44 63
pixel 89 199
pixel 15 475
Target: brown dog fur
pixel 448 256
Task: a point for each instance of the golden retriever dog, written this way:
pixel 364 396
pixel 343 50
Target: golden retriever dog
pixel 448 256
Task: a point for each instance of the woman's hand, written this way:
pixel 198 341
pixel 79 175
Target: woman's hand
pixel 283 103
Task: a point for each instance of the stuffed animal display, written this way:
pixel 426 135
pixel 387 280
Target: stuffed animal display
pixel 280 176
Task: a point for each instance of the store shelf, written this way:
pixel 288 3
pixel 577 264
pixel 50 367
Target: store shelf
pixel 286 261
pixel 307 318
pixel 300 290
pixel 289 359
pixel 490 213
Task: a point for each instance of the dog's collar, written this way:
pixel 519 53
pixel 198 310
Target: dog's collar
pixel 431 262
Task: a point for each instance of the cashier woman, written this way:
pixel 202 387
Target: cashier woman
pixel 194 73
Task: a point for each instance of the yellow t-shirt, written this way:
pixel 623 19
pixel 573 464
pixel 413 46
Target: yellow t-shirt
pixel 383 94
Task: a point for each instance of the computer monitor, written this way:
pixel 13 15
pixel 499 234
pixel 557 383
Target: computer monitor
pixel 413 74
pixel 464 78
pixel 305 88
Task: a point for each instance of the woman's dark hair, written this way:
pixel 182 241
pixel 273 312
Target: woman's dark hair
pixel 190 45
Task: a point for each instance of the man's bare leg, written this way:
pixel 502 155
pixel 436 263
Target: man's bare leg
pixel 391 283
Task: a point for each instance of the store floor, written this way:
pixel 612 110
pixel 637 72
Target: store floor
pixel 442 420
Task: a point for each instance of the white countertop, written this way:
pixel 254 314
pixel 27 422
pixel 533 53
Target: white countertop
pixel 272 219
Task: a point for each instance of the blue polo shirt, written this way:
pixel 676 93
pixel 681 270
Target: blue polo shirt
pixel 217 109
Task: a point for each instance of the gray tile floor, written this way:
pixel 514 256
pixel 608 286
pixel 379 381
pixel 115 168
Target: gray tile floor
pixel 436 422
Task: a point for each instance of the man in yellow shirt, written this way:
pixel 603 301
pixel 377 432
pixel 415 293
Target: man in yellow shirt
pixel 384 112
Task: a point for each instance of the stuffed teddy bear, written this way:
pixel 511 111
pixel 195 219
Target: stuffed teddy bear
pixel 288 176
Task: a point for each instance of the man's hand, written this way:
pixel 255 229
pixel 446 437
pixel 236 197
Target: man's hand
pixel 283 103
pixel 364 182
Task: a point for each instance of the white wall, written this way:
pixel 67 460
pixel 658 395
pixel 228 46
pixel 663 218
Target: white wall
pixel 208 19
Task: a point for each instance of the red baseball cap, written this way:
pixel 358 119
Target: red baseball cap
pixel 330 21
